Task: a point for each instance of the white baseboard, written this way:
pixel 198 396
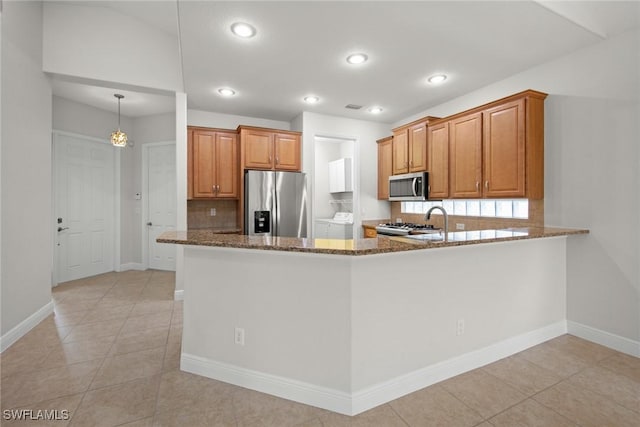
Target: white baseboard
pixel 607 339
pixel 287 388
pixel 178 295
pixel 360 401
pixel 25 326
pixel 397 387
pixel 132 266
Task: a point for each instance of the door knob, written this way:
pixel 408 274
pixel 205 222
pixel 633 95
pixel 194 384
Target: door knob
pixel 62 229
pixel 149 224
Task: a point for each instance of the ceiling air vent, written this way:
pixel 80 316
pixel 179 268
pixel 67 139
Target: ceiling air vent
pixel 353 106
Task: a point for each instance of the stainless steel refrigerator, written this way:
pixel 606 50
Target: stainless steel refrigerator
pixel 275 203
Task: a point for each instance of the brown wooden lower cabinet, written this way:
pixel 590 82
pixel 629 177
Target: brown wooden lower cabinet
pixel 369 232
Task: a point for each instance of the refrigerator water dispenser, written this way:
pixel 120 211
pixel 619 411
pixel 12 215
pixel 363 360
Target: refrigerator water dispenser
pixel 262 222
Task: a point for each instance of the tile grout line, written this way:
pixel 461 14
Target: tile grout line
pixel 556 384
pixel 463 403
pixel 48 352
pixel 104 359
pixel 397 414
pixel 84 395
pixel 526 397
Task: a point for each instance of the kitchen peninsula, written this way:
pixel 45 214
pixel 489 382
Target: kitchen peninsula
pixel 307 320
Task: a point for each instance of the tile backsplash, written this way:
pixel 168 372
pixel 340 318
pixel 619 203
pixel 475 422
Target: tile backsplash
pixel 199 214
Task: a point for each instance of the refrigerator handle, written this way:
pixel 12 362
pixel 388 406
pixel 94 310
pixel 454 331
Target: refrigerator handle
pixel 275 222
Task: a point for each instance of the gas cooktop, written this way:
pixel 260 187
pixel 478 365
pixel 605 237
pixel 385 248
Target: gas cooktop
pixel 404 228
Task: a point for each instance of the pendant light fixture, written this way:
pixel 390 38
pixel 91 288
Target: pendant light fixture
pixel 119 138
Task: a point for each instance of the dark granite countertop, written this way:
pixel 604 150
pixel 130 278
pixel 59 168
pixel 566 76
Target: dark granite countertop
pixel 217 230
pixel 358 246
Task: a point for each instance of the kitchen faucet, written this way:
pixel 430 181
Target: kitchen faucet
pixel 427 217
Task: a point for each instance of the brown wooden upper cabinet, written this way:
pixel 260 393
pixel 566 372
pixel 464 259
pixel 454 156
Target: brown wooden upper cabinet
pixel 215 164
pixel 410 148
pixel 465 156
pixel 494 150
pixel 497 150
pixel 438 160
pixel 270 149
pixel 504 150
pixel 385 166
pixel 189 164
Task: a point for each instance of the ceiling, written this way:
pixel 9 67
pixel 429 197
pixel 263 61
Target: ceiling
pixel 301 48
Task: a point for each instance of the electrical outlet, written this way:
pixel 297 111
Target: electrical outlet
pixel 398 220
pixel 459 226
pixel 460 327
pixel 212 212
pixel 239 336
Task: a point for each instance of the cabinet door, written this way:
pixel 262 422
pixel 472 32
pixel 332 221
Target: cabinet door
pixel 400 152
pixel 465 154
pixel 385 166
pixel 438 161
pixel 258 149
pixel 504 150
pixel 370 232
pixel 418 148
pixel 287 151
pixel 204 159
pixel 227 167
pixel 189 164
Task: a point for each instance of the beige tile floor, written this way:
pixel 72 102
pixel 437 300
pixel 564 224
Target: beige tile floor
pixel 110 356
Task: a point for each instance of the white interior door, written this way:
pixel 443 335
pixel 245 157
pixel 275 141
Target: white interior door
pixel 161 203
pixel 84 207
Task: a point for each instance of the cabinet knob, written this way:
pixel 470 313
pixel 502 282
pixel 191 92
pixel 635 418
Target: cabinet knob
pixel 486 185
pixel 477 186
pixel 277 160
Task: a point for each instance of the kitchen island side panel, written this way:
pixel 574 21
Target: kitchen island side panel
pixel 406 306
pixel 294 309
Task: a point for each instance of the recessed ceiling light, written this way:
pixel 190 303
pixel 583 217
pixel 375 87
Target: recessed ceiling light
pixel 357 58
pixel 311 99
pixel 242 29
pixel 225 91
pixel 375 110
pixel 438 78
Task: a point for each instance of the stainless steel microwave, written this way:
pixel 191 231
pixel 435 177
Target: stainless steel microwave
pixel 409 186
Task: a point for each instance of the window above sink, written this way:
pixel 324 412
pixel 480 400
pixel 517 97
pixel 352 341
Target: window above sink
pixel 489 208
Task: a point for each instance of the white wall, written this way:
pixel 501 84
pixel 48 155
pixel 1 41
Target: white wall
pixel 592 177
pixel 82 119
pixel 100 43
pixel 230 121
pixel 365 134
pixel 27 249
